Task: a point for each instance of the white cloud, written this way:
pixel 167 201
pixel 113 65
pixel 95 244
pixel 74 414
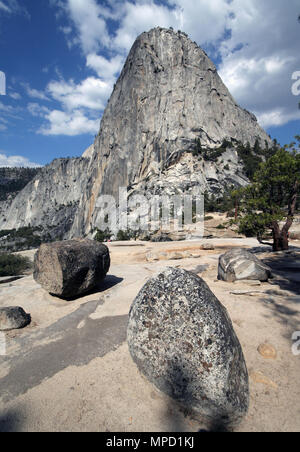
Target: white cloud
pixel 139 17
pixel 4 7
pixel 70 124
pixel 34 93
pixel 91 93
pixel 37 110
pixel 205 20
pixel 14 95
pixel 106 69
pixel 13 7
pixel 90 26
pixel 16 161
pixel 260 57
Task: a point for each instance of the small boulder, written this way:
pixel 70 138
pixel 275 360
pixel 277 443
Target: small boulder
pixel 267 351
pixel 239 264
pixel 72 268
pixel 207 246
pixel 182 339
pixel 159 237
pixel 13 318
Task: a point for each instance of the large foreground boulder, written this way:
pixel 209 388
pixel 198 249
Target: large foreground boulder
pixel 239 264
pixel 182 339
pixel 13 318
pixel 71 268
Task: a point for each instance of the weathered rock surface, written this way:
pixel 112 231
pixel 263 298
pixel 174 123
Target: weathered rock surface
pixel 240 264
pixel 71 268
pixel 182 340
pixel 267 351
pixel 168 95
pixel 13 318
pixel 50 200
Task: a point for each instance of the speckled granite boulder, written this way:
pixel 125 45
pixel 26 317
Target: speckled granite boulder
pixel 13 318
pixel 71 268
pixel 239 264
pixel 182 339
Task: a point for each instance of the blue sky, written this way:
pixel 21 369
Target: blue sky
pixel 62 57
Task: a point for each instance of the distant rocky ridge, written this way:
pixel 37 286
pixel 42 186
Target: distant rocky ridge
pixel 168 99
pixel 13 180
pixel 50 200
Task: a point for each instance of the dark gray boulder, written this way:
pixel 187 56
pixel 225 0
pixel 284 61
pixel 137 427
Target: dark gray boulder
pixel 71 268
pixel 239 264
pixel 182 339
pixel 13 318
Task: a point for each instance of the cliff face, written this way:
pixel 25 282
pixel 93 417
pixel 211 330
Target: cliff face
pixel 50 200
pixel 168 95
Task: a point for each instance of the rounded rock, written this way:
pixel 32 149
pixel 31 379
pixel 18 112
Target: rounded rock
pixel 13 318
pixel 267 351
pixel 71 268
pixel 182 339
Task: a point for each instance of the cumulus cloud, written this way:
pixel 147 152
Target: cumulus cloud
pixel 34 93
pixel 16 161
pixel 105 68
pixel 260 57
pixel 139 17
pixel 37 110
pixel 90 26
pixel 70 124
pixel 91 93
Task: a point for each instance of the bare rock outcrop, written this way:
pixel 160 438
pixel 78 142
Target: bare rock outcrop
pixel 71 268
pixel 182 339
pixel 240 264
pixel 13 318
pixel 168 97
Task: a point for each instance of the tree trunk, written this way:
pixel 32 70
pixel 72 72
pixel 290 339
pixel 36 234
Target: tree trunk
pixel 281 238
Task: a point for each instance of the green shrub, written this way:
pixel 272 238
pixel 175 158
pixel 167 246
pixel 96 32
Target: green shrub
pixel 12 265
pixel 124 236
pixel 208 218
pixel 102 236
pixel 221 226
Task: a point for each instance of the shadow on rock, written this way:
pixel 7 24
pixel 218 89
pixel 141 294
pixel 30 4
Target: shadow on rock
pixel 179 414
pixel 10 421
pixel 74 340
pixel 286 271
pixel 109 282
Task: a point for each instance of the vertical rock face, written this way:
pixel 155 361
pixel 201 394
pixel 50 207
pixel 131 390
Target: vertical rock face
pixel 168 95
pixel 50 200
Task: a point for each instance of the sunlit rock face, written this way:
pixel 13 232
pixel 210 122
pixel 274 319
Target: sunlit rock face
pixel 168 95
